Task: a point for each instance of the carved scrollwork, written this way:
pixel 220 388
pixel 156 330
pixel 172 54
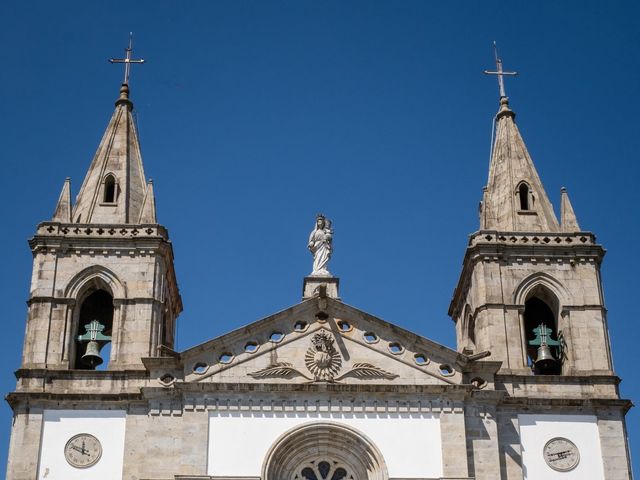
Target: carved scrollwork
pixel 324 362
pixel 322 359
pixel 280 369
pixel 366 370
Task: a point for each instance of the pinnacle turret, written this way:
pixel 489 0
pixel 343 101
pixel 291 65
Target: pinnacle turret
pixel 148 210
pixel 568 219
pixel 62 213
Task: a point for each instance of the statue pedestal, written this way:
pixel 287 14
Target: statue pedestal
pixel 311 286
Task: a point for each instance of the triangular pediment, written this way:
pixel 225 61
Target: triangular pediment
pixel 322 340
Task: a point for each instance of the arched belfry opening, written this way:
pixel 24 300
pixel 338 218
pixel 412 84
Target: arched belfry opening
pixel 93 336
pixel 543 347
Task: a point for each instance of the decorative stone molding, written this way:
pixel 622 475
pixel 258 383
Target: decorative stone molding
pixel 279 369
pixel 513 238
pixel 71 230
pixel 324 362
pixel 366 370
pixel 343 444
pixel 322 359
pixel 534 280
pixel 95 274
pixel 349 406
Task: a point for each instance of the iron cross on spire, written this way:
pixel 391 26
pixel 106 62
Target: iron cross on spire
pixel 499 72
pixel 127 60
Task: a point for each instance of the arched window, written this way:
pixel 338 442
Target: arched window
pixel 323 451
pixel 523 196
pixel 110 192
pixel 471 334
pixel 95 323
pixel 541 330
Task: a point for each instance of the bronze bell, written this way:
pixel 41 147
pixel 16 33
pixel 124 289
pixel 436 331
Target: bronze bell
pixel 545 360
pixel 91 355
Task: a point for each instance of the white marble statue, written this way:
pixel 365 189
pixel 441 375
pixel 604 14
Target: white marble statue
pixel 320 245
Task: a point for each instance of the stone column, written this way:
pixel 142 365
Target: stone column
pixel 24 447
pixel 510 449
pixel 615 456
pixel 454 443
pixel 482 441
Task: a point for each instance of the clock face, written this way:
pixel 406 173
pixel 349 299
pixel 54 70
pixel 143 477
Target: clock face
pixel 83 450
pixel 561 454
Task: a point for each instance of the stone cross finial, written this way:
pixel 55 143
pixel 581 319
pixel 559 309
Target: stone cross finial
pixel 127 60
pixel 499 72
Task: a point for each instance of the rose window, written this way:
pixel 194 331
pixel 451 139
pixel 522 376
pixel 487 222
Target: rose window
pixel 323 470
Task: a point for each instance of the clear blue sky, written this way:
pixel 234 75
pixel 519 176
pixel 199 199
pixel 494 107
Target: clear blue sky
pixel 254 116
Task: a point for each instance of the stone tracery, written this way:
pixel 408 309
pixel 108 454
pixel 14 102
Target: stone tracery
pixel 324 451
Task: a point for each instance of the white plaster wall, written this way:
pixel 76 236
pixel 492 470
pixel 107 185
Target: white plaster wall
pixel 582 430
pixel 409 443
pixel 59 426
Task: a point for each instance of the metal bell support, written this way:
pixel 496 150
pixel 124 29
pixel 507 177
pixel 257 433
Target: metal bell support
pixel 95 341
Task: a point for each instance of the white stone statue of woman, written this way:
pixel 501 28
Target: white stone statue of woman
pixel 320 245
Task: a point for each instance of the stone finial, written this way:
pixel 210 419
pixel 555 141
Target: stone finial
pixel 123 98
pixel 504 109
pixel 63 208
pixel 568 219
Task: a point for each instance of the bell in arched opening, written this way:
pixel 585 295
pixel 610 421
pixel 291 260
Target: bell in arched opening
pixel 544 350
pixel 545 362
pixel 95 340
pixel 94 330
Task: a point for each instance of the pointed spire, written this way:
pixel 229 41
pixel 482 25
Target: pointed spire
pixel 148 211
pixel 114 188
pixel 568 218
pixel 514 199
pixel 63 207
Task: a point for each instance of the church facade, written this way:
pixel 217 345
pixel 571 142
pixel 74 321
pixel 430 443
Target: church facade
pixel 321 390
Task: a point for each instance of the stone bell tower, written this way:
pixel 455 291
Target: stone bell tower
pixel 530 290
pixel 106 260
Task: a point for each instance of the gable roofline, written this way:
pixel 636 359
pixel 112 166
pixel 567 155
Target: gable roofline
pixel 339 308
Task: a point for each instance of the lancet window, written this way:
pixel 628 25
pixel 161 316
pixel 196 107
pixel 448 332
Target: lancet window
pixel 525 197
pixel 110 189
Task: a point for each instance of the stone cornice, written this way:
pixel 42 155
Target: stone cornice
pixel 523 247
pixel 15 399
pixel 319 387
pixel 109 239
pixel 532 238
pixel 96 239
pixel 508 306
pixel 47 373
pixel 96 230
pixel 579 377
pixel 72 301
pixel 534 403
